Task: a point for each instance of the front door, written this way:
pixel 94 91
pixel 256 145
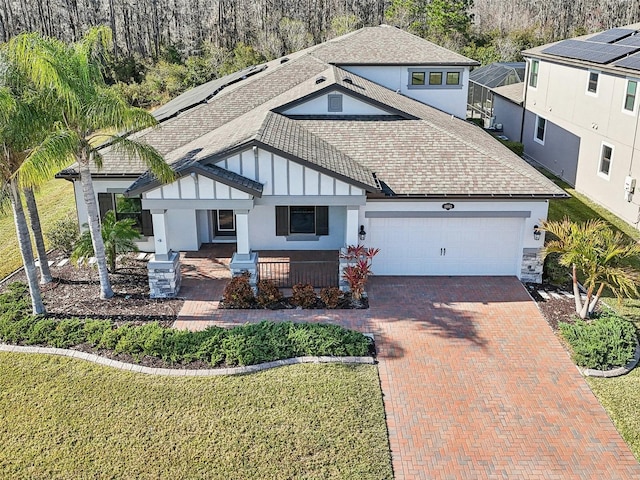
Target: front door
pixel 224 223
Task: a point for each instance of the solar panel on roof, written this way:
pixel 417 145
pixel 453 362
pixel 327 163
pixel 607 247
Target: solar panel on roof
pixel 633 40
pixel 600 53
pixel 610 36
pixel 632 62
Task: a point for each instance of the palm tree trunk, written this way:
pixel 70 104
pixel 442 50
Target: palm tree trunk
pixel 576 290
pixel 594 302
pixel 34 219
pixel 585 307
pixel 26 250
pixel 94 228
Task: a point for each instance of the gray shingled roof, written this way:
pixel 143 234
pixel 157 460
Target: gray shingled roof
pixel 386 45
pixel 513 92
pixel 416 151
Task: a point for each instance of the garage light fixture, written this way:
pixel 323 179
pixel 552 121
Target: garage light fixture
pixel 536 232
pixel 362 234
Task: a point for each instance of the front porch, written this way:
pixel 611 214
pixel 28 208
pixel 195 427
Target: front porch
pixel 284 267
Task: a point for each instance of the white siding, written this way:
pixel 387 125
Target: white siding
pixel 350 106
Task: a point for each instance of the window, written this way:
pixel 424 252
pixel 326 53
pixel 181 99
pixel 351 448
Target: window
pixel 417 78
pixel 606 156
pixel 453 78
pixel 335 103
pixel 226 221
pixel 592 84
pixel 428 78
pixel 541 129
pixel 302 220
pixel 435 78
pixel 630 96
pixel 533 74
pixel 126 207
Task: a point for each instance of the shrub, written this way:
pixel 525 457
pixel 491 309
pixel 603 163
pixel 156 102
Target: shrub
pixel 604 343
pixel 357 274
pixel 555 273
pixel 94 330
pixel 303 296
pixel 238 293
pixel 268 293
pixel 63 235
pixel 331 296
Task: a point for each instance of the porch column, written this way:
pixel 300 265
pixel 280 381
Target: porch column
pixel 244 260
pixel 160 234
pixel 242 233
pixel 164 266
pixel 351 234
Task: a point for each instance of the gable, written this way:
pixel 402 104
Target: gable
pixel 334 103
pixel 282 176
pixel 192 187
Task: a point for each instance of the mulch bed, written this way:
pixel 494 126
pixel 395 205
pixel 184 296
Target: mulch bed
pixel 75 292
pixel 345 303
pixel 554 310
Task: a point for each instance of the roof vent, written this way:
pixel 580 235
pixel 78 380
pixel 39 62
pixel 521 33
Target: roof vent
pixel 284 59
pixel 320 79
pixel 347 80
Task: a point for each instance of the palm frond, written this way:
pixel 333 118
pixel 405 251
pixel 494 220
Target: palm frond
pixel 56 152
pixel 145 152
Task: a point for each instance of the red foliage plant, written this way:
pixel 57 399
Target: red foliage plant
pixel 357 274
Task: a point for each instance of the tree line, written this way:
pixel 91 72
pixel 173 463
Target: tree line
pixel 275 27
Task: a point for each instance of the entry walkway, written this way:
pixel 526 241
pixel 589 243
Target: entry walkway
pixel 475 383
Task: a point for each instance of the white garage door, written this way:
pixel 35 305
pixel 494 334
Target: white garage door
pixel 446 246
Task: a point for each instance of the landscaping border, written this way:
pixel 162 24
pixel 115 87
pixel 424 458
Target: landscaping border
pixel 175 372
pixel 616 372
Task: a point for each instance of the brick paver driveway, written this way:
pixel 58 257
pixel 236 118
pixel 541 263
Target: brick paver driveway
pixel 475 384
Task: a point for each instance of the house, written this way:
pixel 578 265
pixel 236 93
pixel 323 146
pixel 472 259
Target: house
pixel 359 139
pixel 581 120
pixel 495 96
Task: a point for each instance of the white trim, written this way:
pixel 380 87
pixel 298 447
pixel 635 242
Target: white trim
pixel 544 130
pixel 635 100
pixel 601 174
pixel 586 90
pixel 529 73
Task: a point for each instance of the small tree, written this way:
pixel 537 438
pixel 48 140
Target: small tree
pixel 602 256
pixel 357 274
pixel 119 236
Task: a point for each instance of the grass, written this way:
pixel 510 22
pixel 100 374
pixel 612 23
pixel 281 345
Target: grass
pixel 620 396
pixel 55 201
pixel 62 418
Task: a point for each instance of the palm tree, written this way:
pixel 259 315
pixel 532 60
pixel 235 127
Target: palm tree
pixel 119 236
pixel 36 229
pixel 602 256
pixel 88 108
pixel 14 138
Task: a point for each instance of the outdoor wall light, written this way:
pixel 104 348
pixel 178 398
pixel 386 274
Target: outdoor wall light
pixel 448 206
pixel 536 232
pixel 362 234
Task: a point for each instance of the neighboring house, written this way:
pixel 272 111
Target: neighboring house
pixel 484 81
pixel 581 120
pixel 508 110
pixel 307 151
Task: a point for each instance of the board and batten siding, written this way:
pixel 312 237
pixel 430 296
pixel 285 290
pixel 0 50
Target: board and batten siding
pixel 200 187
pixel 284 177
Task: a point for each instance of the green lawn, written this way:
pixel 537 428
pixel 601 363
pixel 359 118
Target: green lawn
pixel 620 396
pixel 62 418
pixel 55 201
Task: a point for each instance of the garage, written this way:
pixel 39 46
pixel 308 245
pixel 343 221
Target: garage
pixel 447 246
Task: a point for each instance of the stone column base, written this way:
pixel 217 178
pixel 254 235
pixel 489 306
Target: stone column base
pixel 532 265
pixel 164 276
pixel 241 263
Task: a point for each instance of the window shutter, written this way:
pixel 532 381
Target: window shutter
pixel 105 203
pixel 282 221
pixel 322 220
pixel 147 223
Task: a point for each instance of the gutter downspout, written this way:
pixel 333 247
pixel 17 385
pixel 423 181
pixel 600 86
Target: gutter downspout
pixel 524 100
